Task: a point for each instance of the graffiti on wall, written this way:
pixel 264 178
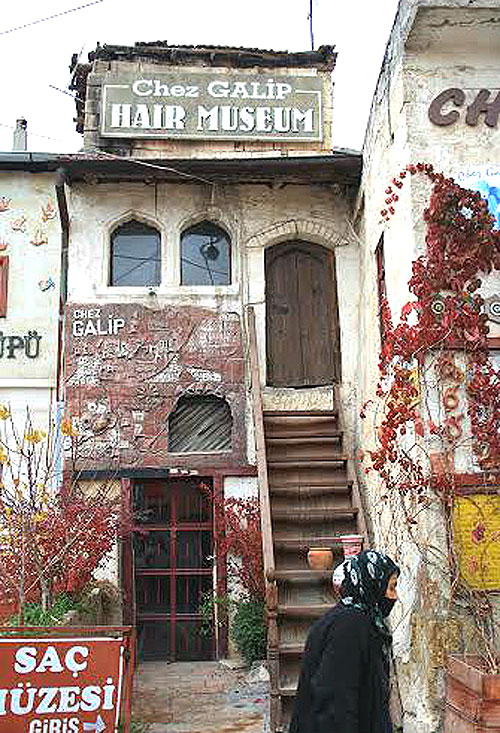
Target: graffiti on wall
pixel 128 366
pixel 486 180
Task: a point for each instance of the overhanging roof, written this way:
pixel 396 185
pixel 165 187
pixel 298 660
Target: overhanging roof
pixel 341 166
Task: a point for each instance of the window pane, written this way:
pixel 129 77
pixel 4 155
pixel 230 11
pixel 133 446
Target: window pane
pixel 205 255
pixel 152 550
pixel 135 255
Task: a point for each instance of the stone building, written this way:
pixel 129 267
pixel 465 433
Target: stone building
pixel 225 272
pixel 208 198
pixel 436 102
pixel 30 269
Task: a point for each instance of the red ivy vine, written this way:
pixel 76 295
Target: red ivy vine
pixel 446 313
pixel 239 540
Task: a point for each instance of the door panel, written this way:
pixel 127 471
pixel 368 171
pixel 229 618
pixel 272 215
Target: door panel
pixel 283 325
pixel 173 548
pixel 301 316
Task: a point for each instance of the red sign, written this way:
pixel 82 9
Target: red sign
pixel 63 685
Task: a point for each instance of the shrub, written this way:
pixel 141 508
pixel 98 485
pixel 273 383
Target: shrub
pixel 249 629
pixel 34 614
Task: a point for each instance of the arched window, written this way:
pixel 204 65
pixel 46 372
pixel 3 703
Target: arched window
pixel 200 423
pixel 135 255
pixel 205 255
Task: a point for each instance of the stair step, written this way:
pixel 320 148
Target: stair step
pixel 291 414
pixel 316 490
pixel 292 648
pixel 304 611
pixel 313 514
pixel 303 448
pixel 332 463
pixel 294 425
pixel 302 432
pixel 297 440
pixel 288 691
pixel 301 576
pixel 305 543
pixel 277 441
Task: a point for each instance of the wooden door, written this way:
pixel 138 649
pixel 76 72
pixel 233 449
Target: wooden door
pixel 301 316
pixel 173 548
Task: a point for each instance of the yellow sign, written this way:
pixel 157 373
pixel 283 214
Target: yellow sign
pixel 477 540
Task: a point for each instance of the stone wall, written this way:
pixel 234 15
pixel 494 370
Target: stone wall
pixel 434 45
pixel 255 217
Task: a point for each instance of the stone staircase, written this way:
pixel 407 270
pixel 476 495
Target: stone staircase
pixel 312 503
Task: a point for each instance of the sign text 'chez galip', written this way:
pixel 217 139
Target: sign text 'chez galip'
pixel 61 685
pixel 185 104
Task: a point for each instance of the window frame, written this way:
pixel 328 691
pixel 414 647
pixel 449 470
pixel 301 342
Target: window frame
pixel 185 287
pixel 110 256
pixel 224 402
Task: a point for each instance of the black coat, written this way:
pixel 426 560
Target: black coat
pixel 344 682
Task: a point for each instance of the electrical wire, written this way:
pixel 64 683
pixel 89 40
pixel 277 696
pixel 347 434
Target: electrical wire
pixel 50 17
pixel 34 134
pixel 158 167
pixel 136 161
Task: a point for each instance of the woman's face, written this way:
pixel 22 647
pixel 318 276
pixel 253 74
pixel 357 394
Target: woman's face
pixel 392 588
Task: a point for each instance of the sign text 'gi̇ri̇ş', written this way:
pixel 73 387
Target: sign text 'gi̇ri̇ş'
pixel 59 685
pixel 201 105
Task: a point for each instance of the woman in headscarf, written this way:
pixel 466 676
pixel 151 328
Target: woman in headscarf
pixel 344 682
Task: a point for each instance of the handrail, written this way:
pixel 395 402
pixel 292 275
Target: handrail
pixel 266 529
pixel 260 444
pixel 357 501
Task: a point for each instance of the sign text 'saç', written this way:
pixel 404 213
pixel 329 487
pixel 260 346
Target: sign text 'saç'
pixel 61 685
pixel 201 105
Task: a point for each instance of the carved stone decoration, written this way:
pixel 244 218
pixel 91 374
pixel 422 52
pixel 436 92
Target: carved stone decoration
pixel 438 307
pixel 48 212
pixel 140 362
pixel 147 397
pixel 492 307
pixel 47 284
pixel 4 204
pixel 96 419
pixel 18 225
pixel 39 237
pixel 3 245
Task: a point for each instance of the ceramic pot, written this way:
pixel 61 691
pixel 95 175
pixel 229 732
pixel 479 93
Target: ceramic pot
pixel 320 558
pixel 472 701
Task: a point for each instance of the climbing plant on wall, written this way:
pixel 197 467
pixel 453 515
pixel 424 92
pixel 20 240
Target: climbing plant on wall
pixel 436 409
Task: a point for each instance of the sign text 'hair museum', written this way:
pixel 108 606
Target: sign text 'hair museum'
pixel 183 104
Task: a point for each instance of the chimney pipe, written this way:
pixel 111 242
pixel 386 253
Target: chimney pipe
pixel 20 135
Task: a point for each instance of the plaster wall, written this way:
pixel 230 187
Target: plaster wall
pixel 240 487
pixel 434 45
pixel 30 237
pixel 256 217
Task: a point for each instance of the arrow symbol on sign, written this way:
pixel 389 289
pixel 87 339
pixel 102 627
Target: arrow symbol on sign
pixel 98 726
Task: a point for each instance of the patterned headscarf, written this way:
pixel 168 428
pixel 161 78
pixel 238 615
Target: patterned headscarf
pixel 365 582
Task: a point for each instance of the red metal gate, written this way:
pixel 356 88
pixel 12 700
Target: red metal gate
pixel 173 550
